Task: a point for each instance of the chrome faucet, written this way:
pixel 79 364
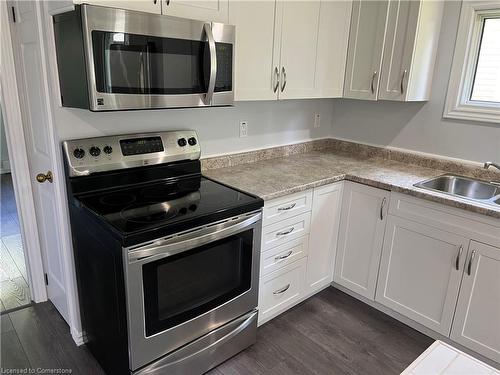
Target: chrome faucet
pixel 491 164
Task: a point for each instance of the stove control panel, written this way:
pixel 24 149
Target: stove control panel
pixel 90 155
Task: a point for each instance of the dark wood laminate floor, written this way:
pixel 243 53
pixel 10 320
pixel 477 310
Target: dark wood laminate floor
pixel 330 333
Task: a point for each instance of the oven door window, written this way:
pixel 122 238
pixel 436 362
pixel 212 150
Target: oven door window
pixel 186 285
pixel 140 64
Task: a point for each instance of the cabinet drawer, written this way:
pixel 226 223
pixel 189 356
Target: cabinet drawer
pixel 281 289
pixel 280 256
pixel 286 230
pixel 286 207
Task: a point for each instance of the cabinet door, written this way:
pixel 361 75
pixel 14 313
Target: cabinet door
pixel 333 38
pixel 149 6
pixel 204 10
pixel 366 42
pixel 299 42
pixel 362 224
pixel 325 218
pixel 398 49
pixel 476 324
pixel 420 272
pixel 256 63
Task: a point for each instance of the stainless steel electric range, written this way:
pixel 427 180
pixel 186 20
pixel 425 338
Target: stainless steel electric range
pixel 167 260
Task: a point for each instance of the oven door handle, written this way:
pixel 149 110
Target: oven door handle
pixel 213 64
pixel 198 237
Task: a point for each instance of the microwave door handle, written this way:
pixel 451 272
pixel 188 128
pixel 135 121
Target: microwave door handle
pixel 213 63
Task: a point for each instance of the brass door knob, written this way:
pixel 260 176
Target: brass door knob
pixel 41 178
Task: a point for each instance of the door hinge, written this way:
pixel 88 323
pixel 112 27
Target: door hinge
pixel 46 279
pixel 13 14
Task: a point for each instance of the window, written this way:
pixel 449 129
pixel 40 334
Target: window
pixel 474 88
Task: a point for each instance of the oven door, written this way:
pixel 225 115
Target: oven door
pixel 185 286
pixel 138 60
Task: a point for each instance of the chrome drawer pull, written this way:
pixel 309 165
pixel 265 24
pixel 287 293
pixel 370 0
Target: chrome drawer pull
pixel 282 290
pixel 287 207
pixel 459 254
pixel 469 268
pixel 403 81
pixel 284 233
pixel 281 257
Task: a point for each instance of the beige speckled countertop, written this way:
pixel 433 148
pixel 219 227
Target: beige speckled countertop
pixel 276 177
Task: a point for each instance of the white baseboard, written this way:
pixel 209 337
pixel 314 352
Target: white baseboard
pixel 79 337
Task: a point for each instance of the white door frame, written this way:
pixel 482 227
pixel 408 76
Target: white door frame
pixel 14 133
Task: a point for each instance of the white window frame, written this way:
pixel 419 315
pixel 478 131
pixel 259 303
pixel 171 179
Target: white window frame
pixel 458 104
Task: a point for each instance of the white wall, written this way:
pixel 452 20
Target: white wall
pixel 420 126
pixel 269 123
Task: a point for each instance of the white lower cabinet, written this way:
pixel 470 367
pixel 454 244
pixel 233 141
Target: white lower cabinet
pixel 420 272
pixel 361 235
pixel 325 217
pixel 280 290
pixel 477 318
pixel 280 256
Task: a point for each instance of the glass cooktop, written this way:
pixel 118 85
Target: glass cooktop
pixel 159 204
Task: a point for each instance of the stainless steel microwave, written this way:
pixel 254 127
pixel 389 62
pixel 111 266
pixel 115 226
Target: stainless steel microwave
pixel 113 59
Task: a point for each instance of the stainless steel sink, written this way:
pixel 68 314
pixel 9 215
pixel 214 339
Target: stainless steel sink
pixel 464 187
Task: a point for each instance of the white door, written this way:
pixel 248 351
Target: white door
pixel 366 44
pixel 299 42
pixel 362 224
pixel 149 6
pixel 31 76
pixel 333 38
pixel 203 10
pixel 398 49
pixel 256 61
pixel 420 272
pixel 325 219
pixel 476 324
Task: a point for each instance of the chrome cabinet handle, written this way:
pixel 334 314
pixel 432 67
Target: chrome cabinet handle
pixel 382 208
pixel 469 267
pixel 213 63
pixel 402 81
pixel 287 207
pixel 457 259
pixel 283 73
pixel 281 257
pixel 373 80
pixel 282 290
pixel 284 233
pixel 276 78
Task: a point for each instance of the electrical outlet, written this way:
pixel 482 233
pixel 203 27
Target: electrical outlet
pixel 243 129
pixel 317 120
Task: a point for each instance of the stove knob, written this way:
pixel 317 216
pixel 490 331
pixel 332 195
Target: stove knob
pixel 192 141
pixel 181 142
pixel 79 153
pixel 108 149
pixel 95 151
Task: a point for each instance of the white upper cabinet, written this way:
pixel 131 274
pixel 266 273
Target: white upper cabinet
pixel 420 272
pixel 203 10
pixel 410 50
pixel 366 43
pixel 325 219
pixel 149 6
pixel 476 323
pixel 256 67
pixel 296 50
pixel 362 225
pixel 392 49
pixel 299 46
